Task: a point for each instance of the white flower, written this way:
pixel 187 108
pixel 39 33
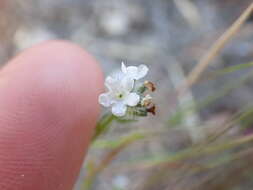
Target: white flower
pixel 133 72
pixel 120 95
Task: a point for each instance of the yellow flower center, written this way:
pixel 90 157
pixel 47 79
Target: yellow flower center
pixel 119 95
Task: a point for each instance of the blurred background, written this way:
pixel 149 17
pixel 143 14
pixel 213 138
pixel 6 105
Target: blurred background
pixel 200 140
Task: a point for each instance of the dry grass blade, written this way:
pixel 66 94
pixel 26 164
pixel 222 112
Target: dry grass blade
pixel 214 50
pixel 106 160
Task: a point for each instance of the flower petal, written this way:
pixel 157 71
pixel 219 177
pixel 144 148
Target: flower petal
pixel 142 71
pixel 127 84
pixel 111 83
pixel 118 75
pixel 119 109
pixel 123 68
pixel 105 99
pixel 132 99
pixel 132 72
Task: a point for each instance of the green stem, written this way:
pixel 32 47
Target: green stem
pixel 103 125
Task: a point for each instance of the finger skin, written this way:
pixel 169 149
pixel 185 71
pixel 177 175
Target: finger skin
pixel 48 109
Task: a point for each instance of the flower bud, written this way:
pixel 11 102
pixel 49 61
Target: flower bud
pixel 146 101
pixel 150 86
pixel 152 109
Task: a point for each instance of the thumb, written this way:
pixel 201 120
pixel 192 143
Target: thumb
pixel 48 108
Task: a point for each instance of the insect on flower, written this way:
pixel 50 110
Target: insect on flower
pixel 123 94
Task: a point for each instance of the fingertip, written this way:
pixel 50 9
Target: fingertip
pixel 49 107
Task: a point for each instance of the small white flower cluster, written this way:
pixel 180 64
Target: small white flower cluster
pixel 125 96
